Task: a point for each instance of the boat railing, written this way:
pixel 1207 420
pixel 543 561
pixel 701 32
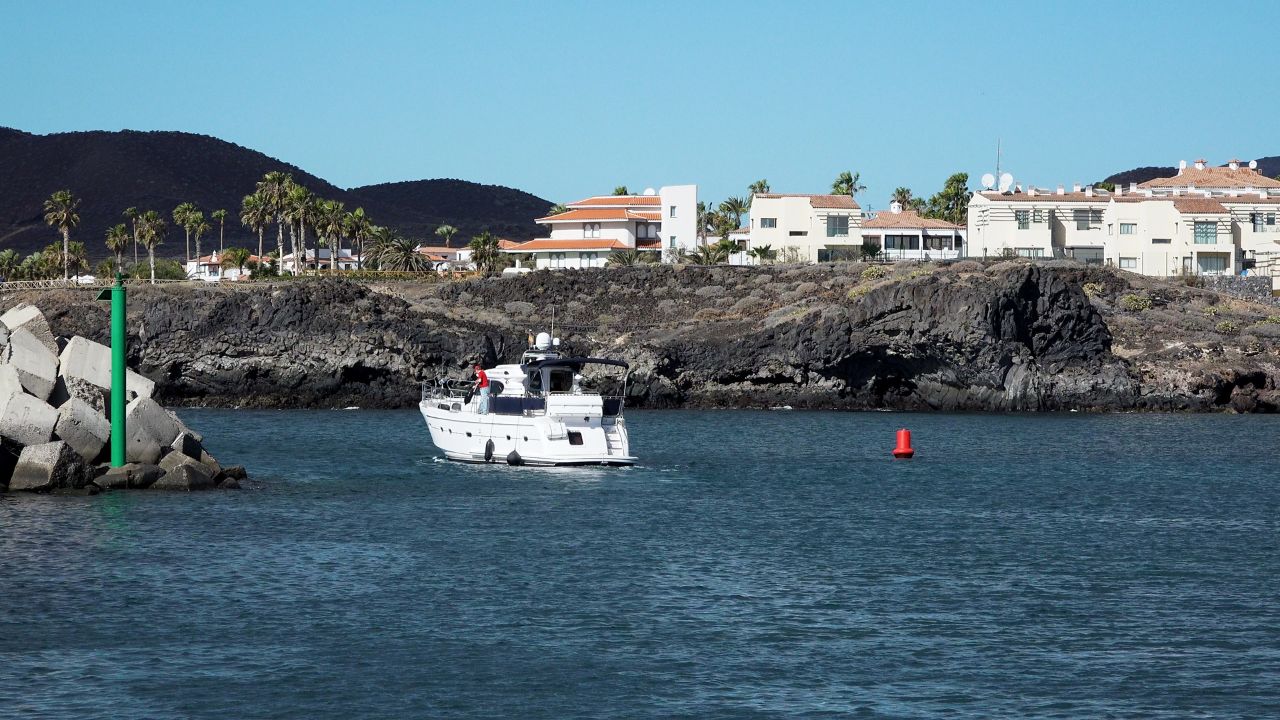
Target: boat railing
pixel 445 388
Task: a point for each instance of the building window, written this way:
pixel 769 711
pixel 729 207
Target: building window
pixel 901 242
pixel 1030 252
pixel 673 241
pixel 591 230
pixel 1160 241
pixel 673 211
pixel 588 259
pixel 798 233
pixel 768 223
pixel 1082 219
pixel 1128 263
pixel 1023 217
pixel 1211 264
pixel 838 226
pixel 1037 216
pixel 1128 229
pixel 1271 218
pixel 1257 220
pixel 1206 233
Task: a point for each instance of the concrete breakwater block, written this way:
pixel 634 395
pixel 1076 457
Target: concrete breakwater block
pixel 129 476
pixel 48 466
pixel 26 420
pixel 29 317
pixel 151 429
pixel 9 382
pixel 183 473
pixel 66 388
pixel 83 428
pixel 37 366
pixel 91 362
pixel 187 444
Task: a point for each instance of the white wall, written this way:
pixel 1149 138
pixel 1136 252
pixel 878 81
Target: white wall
pixel 683 225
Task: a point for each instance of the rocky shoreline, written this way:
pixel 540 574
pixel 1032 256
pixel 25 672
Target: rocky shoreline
pixel 1006 336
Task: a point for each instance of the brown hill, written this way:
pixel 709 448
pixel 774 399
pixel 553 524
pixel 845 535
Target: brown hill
pixel 111 171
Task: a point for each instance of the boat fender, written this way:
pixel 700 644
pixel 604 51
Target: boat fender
pixel 513 458
pixel 488 451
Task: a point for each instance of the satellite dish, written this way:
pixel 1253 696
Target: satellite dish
pixel 1253 164
pixel 988 181
pixel 1006 181
pixel 650 191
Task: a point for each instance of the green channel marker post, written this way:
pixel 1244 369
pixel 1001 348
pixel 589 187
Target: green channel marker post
pixel 118 368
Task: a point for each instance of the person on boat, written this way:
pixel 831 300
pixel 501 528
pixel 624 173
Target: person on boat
pixel 482 384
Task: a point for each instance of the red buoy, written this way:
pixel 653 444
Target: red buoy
pixel 904 449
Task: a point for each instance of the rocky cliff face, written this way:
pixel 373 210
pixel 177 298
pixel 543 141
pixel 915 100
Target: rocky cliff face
pixel 1007 337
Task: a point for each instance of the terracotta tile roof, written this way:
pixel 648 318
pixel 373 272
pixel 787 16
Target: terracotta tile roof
pixel 617 201
pixel 908 219
pixel 741 231
pixel 1199 206
pixel 819 201
pixel 504 244
pixel 649 243
pixel 543 244
pixel 438 250
pixel 208 259
pixel 1214 177
pixel 590 214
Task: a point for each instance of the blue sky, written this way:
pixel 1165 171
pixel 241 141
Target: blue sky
pixel 566 99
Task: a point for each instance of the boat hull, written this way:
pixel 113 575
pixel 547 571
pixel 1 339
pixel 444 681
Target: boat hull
pixel 544 440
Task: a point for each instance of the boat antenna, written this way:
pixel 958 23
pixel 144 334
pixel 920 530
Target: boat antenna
pixel 553 321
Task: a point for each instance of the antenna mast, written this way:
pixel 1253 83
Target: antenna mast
pixel 997 157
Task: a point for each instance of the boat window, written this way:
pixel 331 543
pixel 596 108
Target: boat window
pixel 561 380
pixel 535 382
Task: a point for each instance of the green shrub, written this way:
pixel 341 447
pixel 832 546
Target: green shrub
pixel 1226 326
pixel 1270 320
pixel 1214 310
pixel 1092 289
pixel 1135 303
pixel 875 272
pixel 859 291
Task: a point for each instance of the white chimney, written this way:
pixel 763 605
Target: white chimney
pixel 895 207
pixel 1061 191
pixel 1234 164
pixel 1088 191
pixel 1119 190
pixel 1032 191
pixel 1133 187
pixel 1075 188
pixel 1182 165
pixel 1200 164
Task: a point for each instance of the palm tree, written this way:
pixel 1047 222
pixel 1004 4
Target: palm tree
pixel 903 197
pixel 182 215
pixel 762 253
pixel 358 228
pixel 734 207
pixel 485 251
pixel 708 254
pixel 199 227
pixel 847 183
pixel 625 258
pixel 60 212
pixel 447 232
pixel 221 217
pixel 329 219
pixel 557 209
pixel 300 210
pixel 235 257
pixel 255 215
pixel 273 188
pixel 10 260
pixel 759 187
pixel 621 190
pixel 117 241
pixel 77 256
pixel 153 231
pixel 396 252
pixel 131 214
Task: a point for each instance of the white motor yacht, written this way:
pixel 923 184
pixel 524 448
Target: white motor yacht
pixel 539 413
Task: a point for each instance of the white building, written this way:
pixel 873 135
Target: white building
pixel 905 235
pixel 1203 221
pixel 347 260
pixel 590 230
pixel 209 268
pixel 806 228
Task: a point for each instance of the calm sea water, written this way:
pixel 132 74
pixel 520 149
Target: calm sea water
pixel 757 565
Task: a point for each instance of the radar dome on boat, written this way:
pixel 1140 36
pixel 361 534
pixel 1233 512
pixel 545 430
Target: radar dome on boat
pixel 543 341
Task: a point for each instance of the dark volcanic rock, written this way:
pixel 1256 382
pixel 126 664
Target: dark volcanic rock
pixel 1012 336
